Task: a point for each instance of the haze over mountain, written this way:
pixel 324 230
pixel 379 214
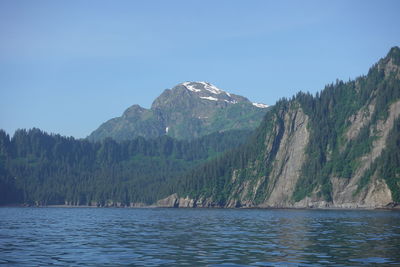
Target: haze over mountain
pixel 187 111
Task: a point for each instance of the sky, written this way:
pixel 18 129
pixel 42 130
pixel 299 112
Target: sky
pixel 67 66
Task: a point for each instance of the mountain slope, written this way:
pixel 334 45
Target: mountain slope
pixel 340 148
pixel 187 111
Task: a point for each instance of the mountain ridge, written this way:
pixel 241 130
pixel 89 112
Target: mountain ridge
pixel 187 111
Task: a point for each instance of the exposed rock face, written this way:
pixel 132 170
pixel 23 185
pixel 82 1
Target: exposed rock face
pixel 284 152
pixel 289 159
pixel 174 201
pixel 186 203
pixel 359 120
pixel 171 201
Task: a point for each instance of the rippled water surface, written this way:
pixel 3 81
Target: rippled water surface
pixel 197 237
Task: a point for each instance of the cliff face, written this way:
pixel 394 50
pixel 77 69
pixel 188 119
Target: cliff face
pixel 290 139
pixel 279 166
pixel 290 158
pixel 339 149
pixel 377 192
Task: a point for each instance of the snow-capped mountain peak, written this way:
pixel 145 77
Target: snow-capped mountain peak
pixel 210 92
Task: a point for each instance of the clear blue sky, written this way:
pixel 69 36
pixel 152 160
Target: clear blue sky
pixel 68 66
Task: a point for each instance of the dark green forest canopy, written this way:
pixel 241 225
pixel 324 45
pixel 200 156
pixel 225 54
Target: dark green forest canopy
pixel 36 167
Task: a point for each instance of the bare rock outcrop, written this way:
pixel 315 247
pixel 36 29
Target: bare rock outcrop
pixel 171 201
pixel 186 202
pixel 289 159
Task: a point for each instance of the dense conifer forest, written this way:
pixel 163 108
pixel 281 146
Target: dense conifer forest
pixel 42 169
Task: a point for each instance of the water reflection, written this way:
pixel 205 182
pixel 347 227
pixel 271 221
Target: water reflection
pixel 79 236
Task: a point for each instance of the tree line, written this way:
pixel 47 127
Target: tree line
pixel 43 169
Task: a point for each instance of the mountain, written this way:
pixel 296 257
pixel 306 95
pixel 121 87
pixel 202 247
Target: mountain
pixel 187 111
pixel 340 149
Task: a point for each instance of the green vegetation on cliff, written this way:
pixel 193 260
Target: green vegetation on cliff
pixel 329 152
pixel 333 150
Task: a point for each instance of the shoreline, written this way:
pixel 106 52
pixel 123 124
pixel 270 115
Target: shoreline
pixel 392 208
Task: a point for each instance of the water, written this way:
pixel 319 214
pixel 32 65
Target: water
pixel 197 237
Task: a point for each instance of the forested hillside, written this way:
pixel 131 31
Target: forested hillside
pixel 38 168
pixel 339 148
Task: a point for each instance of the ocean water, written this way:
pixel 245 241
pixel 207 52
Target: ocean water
pixel 197 237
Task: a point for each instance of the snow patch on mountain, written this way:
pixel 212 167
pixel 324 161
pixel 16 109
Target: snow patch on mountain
pixel 259 105
pixel 211 88
pixel 198 86
pixel 209 98
pixel 190 87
